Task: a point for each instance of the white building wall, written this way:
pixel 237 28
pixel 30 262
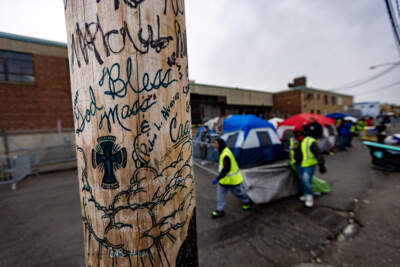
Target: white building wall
pixel 370 109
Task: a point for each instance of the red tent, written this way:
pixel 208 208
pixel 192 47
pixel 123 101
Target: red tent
pixel 304 118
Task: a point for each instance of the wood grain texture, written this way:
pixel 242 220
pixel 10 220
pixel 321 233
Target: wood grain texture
pixel 129 79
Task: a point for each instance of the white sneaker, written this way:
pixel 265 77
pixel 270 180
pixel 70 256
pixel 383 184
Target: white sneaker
pixel 309 201
pixel 317 193
pixel 303 198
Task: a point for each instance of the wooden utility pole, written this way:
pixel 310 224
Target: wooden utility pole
pixel 130 93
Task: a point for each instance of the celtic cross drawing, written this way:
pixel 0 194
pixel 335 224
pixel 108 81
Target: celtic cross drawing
pixel 109 157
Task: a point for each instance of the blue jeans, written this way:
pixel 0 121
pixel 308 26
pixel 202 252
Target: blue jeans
pixel 306 174
pixel 343 141
pixel 238 191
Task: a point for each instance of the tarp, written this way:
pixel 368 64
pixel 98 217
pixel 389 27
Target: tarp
pixel 320 186
pixel 267 183
pixel 264 183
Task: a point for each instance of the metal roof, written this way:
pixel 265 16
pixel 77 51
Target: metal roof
pixel 31 39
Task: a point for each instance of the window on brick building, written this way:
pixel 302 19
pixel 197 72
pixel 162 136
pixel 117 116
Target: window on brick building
pixel 16 67
pixel 325 99
pixel 309 96
pixel 333 100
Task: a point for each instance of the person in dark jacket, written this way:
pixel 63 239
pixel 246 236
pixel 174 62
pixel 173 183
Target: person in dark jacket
pixel 381 132
pixel 313 128
pixel 228 179
pixel 307 156
pixel 205 139
pixel 344 133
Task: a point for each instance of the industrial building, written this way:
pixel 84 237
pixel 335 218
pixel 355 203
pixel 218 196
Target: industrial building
pixel 209 101
pixel 368 109
pixel 300 98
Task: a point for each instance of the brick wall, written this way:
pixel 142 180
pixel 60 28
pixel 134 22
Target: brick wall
pixel 286 103
pixel 38 105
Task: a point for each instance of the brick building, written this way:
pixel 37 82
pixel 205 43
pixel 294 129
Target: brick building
pixel 34 84
pixel 302 99
pixel 35 102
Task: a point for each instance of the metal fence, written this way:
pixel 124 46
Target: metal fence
pixel 20 160
pixel 203 150
pixel 14 169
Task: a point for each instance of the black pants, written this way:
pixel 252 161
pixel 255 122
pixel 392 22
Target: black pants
pixel 203 151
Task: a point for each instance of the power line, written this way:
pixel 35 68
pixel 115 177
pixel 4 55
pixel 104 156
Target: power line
pixel 366 80
pixel 381 88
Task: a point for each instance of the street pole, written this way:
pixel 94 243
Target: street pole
pixel 130 93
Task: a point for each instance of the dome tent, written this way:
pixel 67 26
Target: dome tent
pixel 252 140
pixel 329 134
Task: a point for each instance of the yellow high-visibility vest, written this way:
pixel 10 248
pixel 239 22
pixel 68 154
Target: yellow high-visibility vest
pixel 360 125
pixel 309 158
pixel 293 146
pixel 234 177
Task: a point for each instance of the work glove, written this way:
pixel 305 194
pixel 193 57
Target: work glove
pixel 214 181
pixel 322 169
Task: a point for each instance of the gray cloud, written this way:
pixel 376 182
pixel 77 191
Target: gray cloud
pixel 264 44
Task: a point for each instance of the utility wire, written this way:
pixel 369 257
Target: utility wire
pixel 366 80
pixel 379 89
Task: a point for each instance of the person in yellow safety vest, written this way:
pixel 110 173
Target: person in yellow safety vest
pixel 360 125
pixel 307 156
pixel 228 179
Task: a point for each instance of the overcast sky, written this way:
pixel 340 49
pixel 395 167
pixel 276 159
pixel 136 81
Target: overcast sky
pixel 263 44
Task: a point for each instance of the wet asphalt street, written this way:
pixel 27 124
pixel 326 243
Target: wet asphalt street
pixel 41 222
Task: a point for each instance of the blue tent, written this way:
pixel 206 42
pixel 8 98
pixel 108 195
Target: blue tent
pixel 252 140
pixel 245 123
pixel 336 115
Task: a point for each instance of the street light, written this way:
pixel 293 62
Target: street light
pixel 385 64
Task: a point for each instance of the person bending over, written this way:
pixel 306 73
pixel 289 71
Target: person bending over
pixel 228 179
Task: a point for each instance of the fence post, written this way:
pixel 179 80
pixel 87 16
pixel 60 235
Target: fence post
pixel 6 148
pixel 130 93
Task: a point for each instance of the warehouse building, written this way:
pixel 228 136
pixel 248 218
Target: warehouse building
pixel 209 101
pixel 300 98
